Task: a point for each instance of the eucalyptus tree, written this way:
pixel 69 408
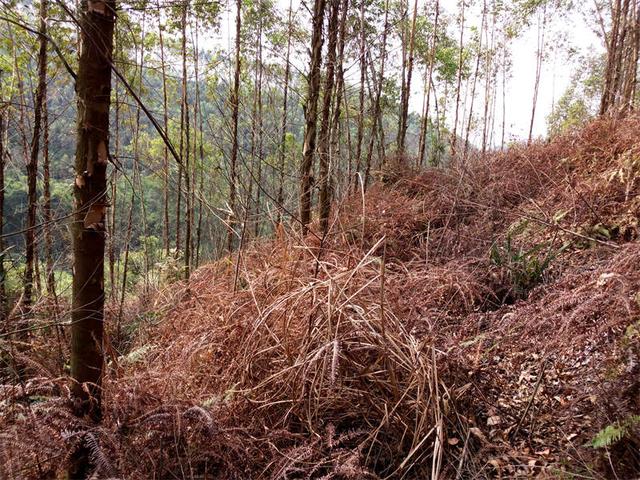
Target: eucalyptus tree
pixel 454 134
pixel 406 88
pixel 428 79
pixel 311 112
pixel 234 100
pixel 324 142
pixel 622 42
pixel 3 130
pixel 284 117
pixel 93 89
pixel 32 164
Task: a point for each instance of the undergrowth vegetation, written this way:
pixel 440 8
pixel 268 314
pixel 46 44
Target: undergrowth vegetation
pixel 473 321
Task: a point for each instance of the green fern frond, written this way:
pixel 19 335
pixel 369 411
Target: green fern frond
pixel 615 432
pixel 608 436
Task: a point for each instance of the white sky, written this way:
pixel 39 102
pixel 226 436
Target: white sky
pixel 555 75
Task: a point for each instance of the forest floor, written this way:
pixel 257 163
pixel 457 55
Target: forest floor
pixel 474 321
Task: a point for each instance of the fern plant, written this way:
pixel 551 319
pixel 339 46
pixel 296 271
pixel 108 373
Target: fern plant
pixel 525 267
pixel 615 432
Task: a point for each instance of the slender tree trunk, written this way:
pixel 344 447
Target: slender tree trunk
pixel 540 60
pixel 612 42
pixel 179 210
pixel 283 121
pixel 137 174
pixel 488 81
pixel 629 66
pixel 621 51
pixel 631 75
pixel 475 81
pixel 200 131
pixel 454 134
pixel 125 266
pixel 32 165
pixel 165 151
pixel 113 277
pixel 3 288
pixel 93 87
pixel 428 79
pixel 339 88
pixel 260 137
pixel 377 117
pixel 311 113
pixel 235 101
pixel 324 143
pixel 405 105
pixel 184 152
pixel 404 7
pixel 363 76
pixel 46 207
pixel 504 93
pixel 256 130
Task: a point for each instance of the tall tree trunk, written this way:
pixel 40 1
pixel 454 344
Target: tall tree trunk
pixel 32 165
pixel 283 121
pixel 184 151
pixel 112 237
pixel 260 137
pixel 376 104
pixel 405 105
pixel 611 44
pixel 363 76
pixel 165 151
pixel 422 144
pixel 137 174
pixel 324 143
pixel 488 79
pixel 475 81
pixel 93 87
pixel 454 134
pixel 539 62
pixel 200 131
pixel 311 113
pixel 235 104
pixel 504 93
pixel 628 64
pixel 339 88
pixel 46 207
pixel 404 9
pixel 3 290
pixel 621 52
pixel 256 129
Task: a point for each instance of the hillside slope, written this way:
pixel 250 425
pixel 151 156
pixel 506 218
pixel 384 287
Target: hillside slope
pixel 478 321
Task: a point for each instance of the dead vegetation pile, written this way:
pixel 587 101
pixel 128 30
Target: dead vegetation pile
pixel 474 321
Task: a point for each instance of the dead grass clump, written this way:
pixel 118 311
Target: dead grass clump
pixel 325 358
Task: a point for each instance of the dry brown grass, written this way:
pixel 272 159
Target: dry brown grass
pixel 385 352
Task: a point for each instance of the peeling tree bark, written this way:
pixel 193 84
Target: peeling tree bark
pixel 93 90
